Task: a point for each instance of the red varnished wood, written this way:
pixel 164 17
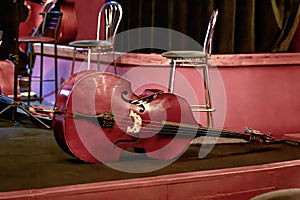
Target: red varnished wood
pixel 7 69
pixel 94 93
pixel 60 105
pixel 68 26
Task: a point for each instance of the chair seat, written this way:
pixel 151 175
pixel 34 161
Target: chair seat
pixel 184 54
pixel 32 39
pixel 91 43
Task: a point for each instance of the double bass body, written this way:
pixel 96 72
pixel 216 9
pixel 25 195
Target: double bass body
pixel 97 117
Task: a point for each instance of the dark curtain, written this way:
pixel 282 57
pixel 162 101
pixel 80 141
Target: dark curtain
pixel 243 26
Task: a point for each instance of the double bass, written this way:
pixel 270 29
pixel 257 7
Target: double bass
pixel 97 117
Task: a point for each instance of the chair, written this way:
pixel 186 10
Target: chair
pixel 110 14
pixel 46 33
pixel 196 59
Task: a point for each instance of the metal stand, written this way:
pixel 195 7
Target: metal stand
pixel 16 103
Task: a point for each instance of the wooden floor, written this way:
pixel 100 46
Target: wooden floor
pixel 34 167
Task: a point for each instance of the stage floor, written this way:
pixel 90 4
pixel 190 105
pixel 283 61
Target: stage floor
pixel 31 159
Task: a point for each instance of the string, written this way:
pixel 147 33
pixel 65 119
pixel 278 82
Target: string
pixel 155 126
pixel 171 128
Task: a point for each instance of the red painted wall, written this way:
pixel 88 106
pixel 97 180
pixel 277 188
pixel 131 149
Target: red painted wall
pixel 265 98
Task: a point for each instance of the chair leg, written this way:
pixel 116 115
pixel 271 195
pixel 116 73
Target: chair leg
pixel 55 69
pixel 207 93
pixel 30 73
pixel 41 72
pixel 98 62
pixel 89 58
pixel 73 61
pixel 172 76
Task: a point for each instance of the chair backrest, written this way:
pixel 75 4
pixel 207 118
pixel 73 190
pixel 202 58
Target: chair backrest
pixel 50 24
pixel 110 14
pixel 207 45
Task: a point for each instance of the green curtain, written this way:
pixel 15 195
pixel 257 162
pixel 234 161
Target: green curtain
pixel 243 26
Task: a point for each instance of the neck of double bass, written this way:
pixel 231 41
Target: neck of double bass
pixel 224 134
pixel 170 128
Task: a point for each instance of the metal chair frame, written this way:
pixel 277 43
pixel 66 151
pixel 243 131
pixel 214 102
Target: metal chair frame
pixel 196 59
pixel 110 14
pixel 48 33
